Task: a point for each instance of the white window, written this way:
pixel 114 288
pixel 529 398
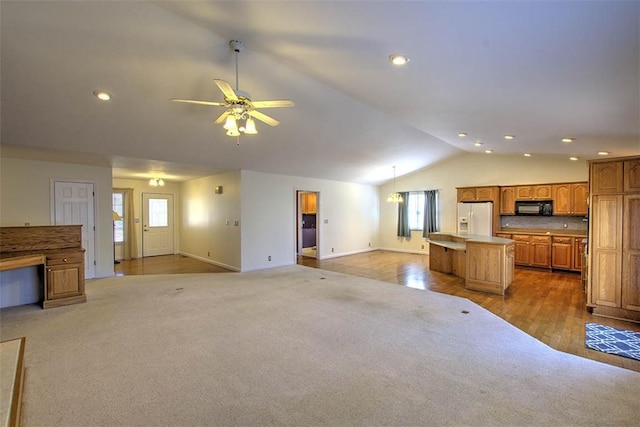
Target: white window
pixel 415 207
pixel 158 213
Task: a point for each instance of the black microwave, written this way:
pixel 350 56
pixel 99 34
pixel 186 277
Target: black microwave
pixel 534 207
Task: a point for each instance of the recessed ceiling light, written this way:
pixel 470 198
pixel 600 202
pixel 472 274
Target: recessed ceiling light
pixel 509 137
pixel 567 139
pixel 462 134
pixel 527 154
pixel 397 59
pixel 488 151
pixel 102 95
pixel 603 153
pixel 478 144
pixel 573 158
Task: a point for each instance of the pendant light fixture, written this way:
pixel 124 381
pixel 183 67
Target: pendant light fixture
pixel 394 197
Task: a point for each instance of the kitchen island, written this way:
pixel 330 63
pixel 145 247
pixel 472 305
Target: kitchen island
pixel 485 262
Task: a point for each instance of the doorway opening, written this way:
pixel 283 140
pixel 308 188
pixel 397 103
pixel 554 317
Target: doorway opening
pixel 307 223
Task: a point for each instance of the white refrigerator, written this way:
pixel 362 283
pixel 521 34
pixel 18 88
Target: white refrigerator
pixel 475 218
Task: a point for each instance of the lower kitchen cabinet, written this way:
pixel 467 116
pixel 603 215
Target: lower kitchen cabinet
pixel 540 251
pixel 562 253
pixel 532 250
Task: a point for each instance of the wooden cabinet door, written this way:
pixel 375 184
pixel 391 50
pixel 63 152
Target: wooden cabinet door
pixel 540 251
pixel 542 192
pixel 606 177
pixel 507 201
pixel 64 281
pixel 562 199
pixel 524 192
pixel 631 175
pixel 521 249
pixel 578 253
pixel 606 250
pixel 631 253
pixel 579 198
pixel 466 194
pixel 486 194
pixel 561 253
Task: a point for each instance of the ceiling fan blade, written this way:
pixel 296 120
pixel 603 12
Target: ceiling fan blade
pixel 222 117
pixel 226 89
pixel 276 103
pixel 193 101
pixel 264 118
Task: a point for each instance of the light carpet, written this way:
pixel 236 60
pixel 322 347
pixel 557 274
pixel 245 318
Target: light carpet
pixel 298 346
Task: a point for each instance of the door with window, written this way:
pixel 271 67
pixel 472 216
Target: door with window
pixel 157 224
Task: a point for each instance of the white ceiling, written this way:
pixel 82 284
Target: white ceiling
pixel 538 70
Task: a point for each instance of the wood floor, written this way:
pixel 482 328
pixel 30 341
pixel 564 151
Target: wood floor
pixel 549 306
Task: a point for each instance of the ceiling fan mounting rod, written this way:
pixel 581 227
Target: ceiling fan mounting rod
pixel 237 46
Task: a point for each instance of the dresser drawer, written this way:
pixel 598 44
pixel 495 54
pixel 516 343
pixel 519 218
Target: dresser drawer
pixel 65 258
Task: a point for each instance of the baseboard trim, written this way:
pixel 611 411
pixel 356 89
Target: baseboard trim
pixel 209 261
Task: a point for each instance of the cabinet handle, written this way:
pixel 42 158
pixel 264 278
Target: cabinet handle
pixel 64 260
pixel 48 269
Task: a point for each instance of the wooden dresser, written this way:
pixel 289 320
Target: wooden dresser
pixel 58 248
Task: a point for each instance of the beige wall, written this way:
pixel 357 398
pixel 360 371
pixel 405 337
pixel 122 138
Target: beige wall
pixel 347 218
pixel 207 220
pixel 469 170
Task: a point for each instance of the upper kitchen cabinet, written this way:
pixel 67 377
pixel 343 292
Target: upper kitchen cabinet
pixel 478 194
pixel 507 200
pixel 606 177
pixel 631 175
pixel 309 203
pixel 570 199
pixel 533 192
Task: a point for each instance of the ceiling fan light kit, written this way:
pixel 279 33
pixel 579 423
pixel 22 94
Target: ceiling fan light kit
pixel 394 197
pixel 240 111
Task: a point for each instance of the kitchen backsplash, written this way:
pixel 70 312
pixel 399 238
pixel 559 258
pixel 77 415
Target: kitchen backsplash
pixel 544 222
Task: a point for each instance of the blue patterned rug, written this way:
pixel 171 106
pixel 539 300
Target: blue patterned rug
pixel 613 340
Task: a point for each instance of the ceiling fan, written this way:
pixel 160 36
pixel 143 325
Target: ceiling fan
pixel 240 109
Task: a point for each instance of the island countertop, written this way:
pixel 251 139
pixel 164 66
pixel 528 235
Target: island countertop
pixel 442 236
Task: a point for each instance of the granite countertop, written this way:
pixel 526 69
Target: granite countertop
pixel 545 232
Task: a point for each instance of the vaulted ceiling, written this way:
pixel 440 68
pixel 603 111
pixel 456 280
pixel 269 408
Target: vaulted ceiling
pixel 538 70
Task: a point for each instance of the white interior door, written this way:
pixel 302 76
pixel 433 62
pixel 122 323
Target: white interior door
pixel 73 205
pixel 157 224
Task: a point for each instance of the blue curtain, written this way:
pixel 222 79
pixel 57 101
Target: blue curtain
pixel 430 218
pixel 403 216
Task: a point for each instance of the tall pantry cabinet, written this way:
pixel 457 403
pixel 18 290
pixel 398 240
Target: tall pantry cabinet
pixel 614 238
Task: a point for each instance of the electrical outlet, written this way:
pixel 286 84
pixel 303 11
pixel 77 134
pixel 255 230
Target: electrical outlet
pixel 369 244
pixel 332 250
pixel 236 222
pixel 422 247
pixel 208 253
pixel 269 257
